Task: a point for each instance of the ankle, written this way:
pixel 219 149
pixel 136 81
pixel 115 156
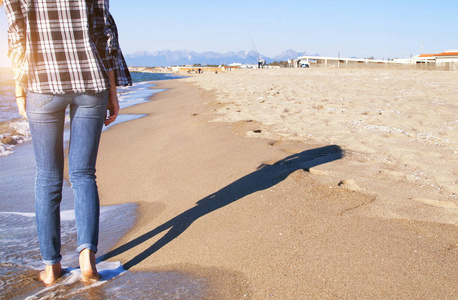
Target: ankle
pixel 55 269
pixel 87 260
pixel 51 273
pixel 87 255
pixel 87 266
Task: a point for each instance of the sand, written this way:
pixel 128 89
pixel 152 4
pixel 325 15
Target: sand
pixel 293 184
pixel 399 128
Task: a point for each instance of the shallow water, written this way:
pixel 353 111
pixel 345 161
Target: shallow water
pixel 8 108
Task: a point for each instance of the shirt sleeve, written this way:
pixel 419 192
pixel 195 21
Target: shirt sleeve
pixel 106 36
pixel 122 74
pixel 101 32
pixel 16 16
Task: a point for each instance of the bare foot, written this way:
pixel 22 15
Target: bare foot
pixel 87 266
pixel 51 274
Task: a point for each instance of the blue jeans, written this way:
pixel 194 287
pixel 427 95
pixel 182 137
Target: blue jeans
pixel 46 114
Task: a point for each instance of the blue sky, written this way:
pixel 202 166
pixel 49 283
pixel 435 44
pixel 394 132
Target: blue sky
pixel 383 29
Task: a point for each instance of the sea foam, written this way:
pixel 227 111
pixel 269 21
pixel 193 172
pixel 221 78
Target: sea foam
pixel 12 133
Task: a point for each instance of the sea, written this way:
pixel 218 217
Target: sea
pixel 20 260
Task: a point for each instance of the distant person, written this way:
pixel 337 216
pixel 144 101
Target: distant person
pixel 66 53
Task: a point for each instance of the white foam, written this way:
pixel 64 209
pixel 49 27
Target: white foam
pixel 17 130
pixel 107 271
pixel 69 215
pixel 29 215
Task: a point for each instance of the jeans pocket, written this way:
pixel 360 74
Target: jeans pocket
pixel 40 100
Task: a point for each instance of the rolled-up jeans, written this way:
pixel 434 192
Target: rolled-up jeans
pixel 46 115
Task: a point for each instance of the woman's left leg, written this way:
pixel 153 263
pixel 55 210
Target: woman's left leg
pixel 46 115
pixel 87 114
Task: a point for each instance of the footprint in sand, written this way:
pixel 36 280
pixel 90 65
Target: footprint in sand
pixel 350 184
pixel 437 203
pixel 315 171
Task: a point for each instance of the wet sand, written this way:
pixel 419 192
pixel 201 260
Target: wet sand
pixel 268 216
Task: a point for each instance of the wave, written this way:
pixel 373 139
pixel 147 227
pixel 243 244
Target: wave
pixel 13 132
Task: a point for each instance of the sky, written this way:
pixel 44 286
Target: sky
pixel 352 28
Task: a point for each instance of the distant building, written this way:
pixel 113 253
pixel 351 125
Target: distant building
pixel 337 61
pixel 191 69
pixel 447 59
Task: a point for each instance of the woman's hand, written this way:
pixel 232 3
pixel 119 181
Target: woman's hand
pixel 113 107
pixel 113 103
pixel 21 105
pixel 21 97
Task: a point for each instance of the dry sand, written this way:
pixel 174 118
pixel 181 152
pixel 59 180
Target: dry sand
pixel 399 128
pixel 324 202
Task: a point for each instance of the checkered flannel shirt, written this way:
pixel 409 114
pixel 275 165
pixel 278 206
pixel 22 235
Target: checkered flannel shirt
pixel 62 46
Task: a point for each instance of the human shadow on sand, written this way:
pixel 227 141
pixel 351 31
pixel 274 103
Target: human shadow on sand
pixel 263 178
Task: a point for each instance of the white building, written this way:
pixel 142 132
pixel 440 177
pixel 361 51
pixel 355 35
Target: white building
pixel 447 59
pixel 325 61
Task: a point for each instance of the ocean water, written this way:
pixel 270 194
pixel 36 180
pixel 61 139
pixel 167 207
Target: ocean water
pixel 20 261
pixel 7 101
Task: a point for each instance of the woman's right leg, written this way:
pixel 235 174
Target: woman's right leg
pixel 46 115
pixel 87 114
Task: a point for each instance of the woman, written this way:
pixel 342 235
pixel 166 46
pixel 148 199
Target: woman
pixel 65 53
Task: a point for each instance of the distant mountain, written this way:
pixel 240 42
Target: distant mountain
pixel 288 54
pixel 187 57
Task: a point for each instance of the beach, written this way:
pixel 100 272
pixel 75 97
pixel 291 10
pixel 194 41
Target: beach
pixel 292 183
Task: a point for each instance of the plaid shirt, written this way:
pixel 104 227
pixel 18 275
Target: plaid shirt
pixel 64 46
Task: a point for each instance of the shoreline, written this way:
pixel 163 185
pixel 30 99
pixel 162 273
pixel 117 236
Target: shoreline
pixel 249 238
